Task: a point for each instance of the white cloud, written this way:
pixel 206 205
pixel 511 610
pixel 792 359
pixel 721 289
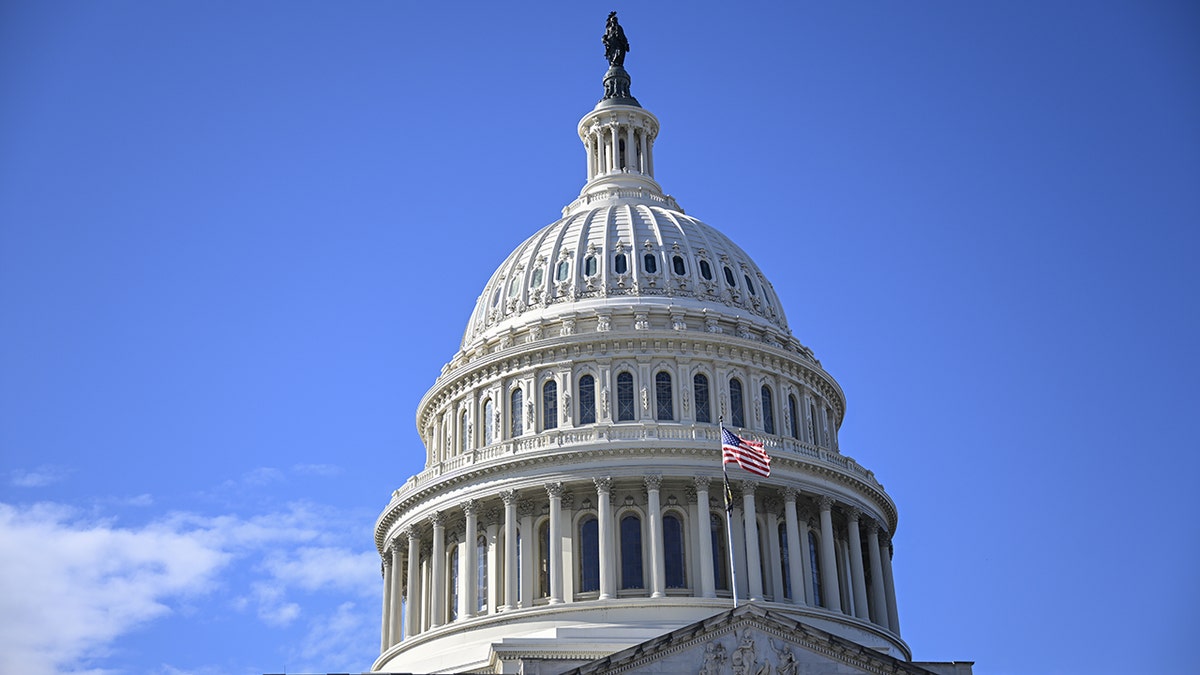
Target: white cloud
pixel 39 477
pixel 340 642
pixel 71 585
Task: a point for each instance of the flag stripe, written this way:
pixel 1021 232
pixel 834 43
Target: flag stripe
pixel 749 455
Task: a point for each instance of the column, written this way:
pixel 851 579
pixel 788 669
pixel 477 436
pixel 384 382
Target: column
pixel 858 581
pixel 570 558
pixel 470 572
pixel 494 563
pixel 588 142
pixel 509 497
pixel 879 611
pixel 797 552
pixel 555 490
pixel 707 581
pixel 385 639
pixel 413 612
pixel 889 586
pixel 774 550
pixel 829 574
pixel 437 571
pixel 527 564
pixel 426 585
pixel 394 628
pixel 753 561
pixel 806 526
pixel 640 137
pixel 630 149
pixel 658 563
pixel 604 526
pixel 737 547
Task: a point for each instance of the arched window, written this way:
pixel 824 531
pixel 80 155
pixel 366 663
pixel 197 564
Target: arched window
pixel 550 405
pixel 816 569
pixel 720 554
pixel 464 423
pixel 650 263
pixel 453 613
pixel 662 396
pixel 625 407
pixel 543 568
pixel 631 552
pixel 792 412
pixel 700 393
pixel 680 268
pixel 620 263
pixel 783 561
pixel 673 551
pixel 481 572
pixel 812 424
pixel 516 414
pixel 587 400
pixel 737 407
pixel 489 422
pixel 768 410
pixel 589 555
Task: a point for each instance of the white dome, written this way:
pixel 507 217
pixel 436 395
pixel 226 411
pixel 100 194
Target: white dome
pixel 626 251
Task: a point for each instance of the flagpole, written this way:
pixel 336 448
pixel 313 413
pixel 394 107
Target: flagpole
pixel 729 521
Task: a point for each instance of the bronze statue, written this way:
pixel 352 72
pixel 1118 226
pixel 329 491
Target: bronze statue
pixel 615 44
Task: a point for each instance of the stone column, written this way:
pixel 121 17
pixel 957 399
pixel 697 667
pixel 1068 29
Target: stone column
pixel 630 150
pixel 527 570
pixel 704 536
pixel 509 497
pixel 470 561
pixel 774 550
pixel 737 545
pixel 879 609
pixel 437 571
pixel 889 586
pixel 658 563
pixel 395 631
pixel 797 552
pixel 753 560
pixel 604 526
pixel 858 581
pixel 495 589
pixel 555 490
pixel 829 574
pixel 413 614
pixel 588 143
pixel 806 525
pixel 385 639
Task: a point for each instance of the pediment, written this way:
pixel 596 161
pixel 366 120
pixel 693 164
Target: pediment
pixel 749 640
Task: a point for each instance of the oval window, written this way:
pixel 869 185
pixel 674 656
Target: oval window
pixel 677 261
pixel 620 264
pixel 564 270
pixel 589 266
pixel 749 284
pixel 649 263
pixel 729 278
pixel 705 270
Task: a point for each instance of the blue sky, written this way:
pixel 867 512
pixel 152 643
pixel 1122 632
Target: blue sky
pixel 239 240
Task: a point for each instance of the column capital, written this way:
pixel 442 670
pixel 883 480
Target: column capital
pixel 470 507
pixel 872 526
pixel 554 490
pixel 509 497
pixel 603 483
pixel 854 513
pixel 387 559
pixel 436 519
pixel 749 486
pixel 702 482
pixel 410 533
pixel 771 505
pixel 653 481
pixel 825 502
pixel 804 514
pixel 526 508
pixel 689 493
pixel 568 501
pixel 491 517
pixel 790 493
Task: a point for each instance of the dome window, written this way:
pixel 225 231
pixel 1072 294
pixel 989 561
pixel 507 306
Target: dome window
pixel 680 269
pixel 537 278
pixel 749 284
pixel 514 289
pixel 564 270
pixel 705 270
pixel 620 264
pixel 729 278
pixel 650 264
pixel 589 266
pixel 496 297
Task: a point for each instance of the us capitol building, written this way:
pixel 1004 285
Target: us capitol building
pixel 571 514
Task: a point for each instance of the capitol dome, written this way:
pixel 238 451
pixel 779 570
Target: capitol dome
pixel 573 500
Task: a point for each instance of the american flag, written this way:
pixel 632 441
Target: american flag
pixel 749 455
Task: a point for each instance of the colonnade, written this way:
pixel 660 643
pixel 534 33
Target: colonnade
pixel 616 146
pixel 472 560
